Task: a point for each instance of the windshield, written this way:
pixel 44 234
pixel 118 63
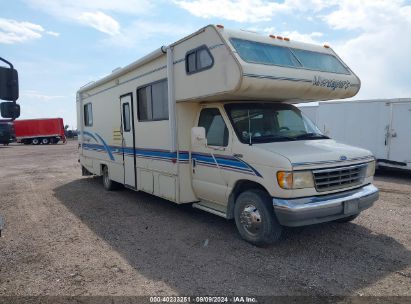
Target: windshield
pixel 264 53
pixel 268 122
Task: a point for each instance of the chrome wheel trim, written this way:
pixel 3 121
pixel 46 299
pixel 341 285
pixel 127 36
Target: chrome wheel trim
pixel 35 141
pixel 44 141
pixel 250 219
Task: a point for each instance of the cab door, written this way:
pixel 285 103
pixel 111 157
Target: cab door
pixel 128 140
pixel 209 176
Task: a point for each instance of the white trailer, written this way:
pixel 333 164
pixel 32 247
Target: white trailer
pixel 381 126
pixel 207 120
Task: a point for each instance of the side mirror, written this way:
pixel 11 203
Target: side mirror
pixel 198 136
pixel 9 84
pixel 10 110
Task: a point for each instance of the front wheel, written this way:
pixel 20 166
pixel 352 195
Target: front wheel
pixel 255 218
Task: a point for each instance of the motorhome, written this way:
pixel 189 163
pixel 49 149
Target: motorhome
pixel 379 125
pixel 209 121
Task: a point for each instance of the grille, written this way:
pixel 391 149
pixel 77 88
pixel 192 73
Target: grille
pixel 338 178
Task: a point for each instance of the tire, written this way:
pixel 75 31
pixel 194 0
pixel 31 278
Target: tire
pixel 35 141
pixel 108 184
pixel 348 218
pixel 255 219
pixel 45 141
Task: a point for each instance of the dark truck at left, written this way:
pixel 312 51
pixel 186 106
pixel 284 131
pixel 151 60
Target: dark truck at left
pixel 7 133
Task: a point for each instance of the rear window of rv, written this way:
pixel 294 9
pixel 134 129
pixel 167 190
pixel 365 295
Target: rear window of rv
pixel 263 53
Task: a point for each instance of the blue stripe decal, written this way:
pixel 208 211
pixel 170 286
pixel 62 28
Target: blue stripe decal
pixel 106 147
pixel 224 162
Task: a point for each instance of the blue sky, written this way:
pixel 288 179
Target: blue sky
pixel 58 46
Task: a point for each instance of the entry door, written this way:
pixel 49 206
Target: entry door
pixel 128 140
pixel 209 178
pixel 400 142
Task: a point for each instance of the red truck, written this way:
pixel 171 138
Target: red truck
pixel 39 131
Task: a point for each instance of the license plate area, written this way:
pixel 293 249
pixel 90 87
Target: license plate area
pixel 351 207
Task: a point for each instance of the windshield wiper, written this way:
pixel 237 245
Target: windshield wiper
pixel 269 138
pixel 311 136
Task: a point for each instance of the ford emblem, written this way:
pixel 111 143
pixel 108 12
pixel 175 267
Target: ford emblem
pixel 343 157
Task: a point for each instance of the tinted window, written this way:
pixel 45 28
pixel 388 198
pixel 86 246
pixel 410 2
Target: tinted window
pixel 264 53
pixel 191 62
pixel 152 101
pixel 215 127
pixel 320 62
pixel 88 115
pixel 126 117
pixel 159 95
pixel 198 60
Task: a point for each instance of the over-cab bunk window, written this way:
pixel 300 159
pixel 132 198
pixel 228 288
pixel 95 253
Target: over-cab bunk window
pixel 152 101
pixel 264 53
pixel 198 60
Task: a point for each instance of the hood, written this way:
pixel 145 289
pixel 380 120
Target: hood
pixel 313 152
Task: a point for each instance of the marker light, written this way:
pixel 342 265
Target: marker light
pixel 286 39
pixel 272 36
pixel 220 26
pixel 370 169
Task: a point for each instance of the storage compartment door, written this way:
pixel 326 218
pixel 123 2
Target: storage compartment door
pixel 400 134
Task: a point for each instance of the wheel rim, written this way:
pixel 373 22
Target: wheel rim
pixel 250 219
pixel 45 141
pixel 35 141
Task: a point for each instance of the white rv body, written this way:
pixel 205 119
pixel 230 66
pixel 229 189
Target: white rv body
pixel 381 126
pixel 140 127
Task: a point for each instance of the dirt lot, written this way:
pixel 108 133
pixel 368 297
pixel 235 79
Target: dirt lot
pixel 65 235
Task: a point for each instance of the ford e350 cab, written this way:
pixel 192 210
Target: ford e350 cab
pixel 209 121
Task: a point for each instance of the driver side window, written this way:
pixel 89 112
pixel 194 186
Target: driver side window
pixel 215 128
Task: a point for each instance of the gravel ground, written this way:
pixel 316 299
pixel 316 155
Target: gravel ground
pixel 65 235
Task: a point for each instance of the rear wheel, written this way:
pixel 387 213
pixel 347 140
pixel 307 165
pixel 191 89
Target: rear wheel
pixel 255 218
pixel 107 182
pixel 35 141
pixel 45 141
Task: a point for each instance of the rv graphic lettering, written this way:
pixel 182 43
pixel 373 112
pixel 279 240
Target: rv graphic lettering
pixel 331 83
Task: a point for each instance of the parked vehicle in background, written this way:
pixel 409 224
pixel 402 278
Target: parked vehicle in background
pixel 381 126
pixel 40 131
pixel 7 134
pixel 208 121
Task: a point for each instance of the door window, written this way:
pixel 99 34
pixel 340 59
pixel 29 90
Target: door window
pixel 126 117
pixel 215 127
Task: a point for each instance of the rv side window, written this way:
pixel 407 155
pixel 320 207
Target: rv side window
pixel 215 127
pixel 88 115
pixel 198 60
pixel 152 101
pixel 126 117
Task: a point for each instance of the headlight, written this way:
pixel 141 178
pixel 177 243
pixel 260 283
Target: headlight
pixel 370 169
pixel 295 180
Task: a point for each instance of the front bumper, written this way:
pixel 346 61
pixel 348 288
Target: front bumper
pixel 318 209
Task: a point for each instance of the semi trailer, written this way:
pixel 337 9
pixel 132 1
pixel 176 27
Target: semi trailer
pixel 379 125
pixel 209 121
pixel 40 131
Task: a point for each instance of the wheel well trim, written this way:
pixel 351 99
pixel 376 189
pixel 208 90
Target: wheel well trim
pixel 239 187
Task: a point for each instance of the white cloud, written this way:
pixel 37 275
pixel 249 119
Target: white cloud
pixel 33 94
pixel 13 31
pixel 235 10
pixel 100 22
pixel 138 31
pixel 379 52
pixel 93 13
pixel 312 37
